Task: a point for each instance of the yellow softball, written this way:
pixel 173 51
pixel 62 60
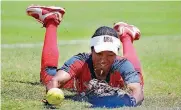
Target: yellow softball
pixel 55 96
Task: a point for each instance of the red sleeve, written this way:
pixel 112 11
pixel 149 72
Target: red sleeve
pixel 74 65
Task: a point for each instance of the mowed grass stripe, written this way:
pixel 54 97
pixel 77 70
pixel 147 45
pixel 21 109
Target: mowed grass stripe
pixel 60 42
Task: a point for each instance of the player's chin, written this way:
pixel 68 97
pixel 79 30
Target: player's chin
pixel 101 77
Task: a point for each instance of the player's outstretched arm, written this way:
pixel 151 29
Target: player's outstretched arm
pixel 58 80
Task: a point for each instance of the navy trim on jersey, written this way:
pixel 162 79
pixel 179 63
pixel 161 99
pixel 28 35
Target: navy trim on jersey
pixel 80 56
pixel 126 70
pixel 117 64
pixel 51 70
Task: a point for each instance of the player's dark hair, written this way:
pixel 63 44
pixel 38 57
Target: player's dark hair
pixel 104 30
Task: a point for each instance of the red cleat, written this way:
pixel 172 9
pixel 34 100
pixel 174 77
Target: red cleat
pixel 44 14
pixel 123 29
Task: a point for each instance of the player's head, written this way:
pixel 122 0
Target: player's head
pixel 105 45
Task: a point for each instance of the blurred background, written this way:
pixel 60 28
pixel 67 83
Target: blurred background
pixel 83 17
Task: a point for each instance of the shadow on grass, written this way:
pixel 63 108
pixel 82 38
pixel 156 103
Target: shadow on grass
pixel 26 82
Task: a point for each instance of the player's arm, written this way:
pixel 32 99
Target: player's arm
pixel 132 80
pixel 59 79
pixel 70 69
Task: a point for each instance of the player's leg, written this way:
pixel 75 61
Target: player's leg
pixel 50 52
pixel 129 33
pixel 50 17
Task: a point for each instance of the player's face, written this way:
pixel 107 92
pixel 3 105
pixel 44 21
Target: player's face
pixel 102 63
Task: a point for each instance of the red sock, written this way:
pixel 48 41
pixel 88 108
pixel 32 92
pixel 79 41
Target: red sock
pixel 129 52
pixel 50 52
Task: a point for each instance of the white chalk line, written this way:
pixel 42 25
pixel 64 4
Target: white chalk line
pixel 34 45
pixel 62 42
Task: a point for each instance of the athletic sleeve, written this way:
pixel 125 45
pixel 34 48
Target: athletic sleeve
pixel 127 71
pixel 74 65
pixel 129 74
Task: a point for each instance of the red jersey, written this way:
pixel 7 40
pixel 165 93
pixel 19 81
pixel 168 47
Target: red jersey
pixel 80 68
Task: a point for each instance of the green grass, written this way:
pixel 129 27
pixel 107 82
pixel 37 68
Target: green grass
pixel 159 54
pixel 82 18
